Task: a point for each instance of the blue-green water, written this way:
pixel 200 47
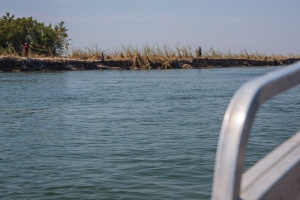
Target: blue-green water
pixel 125 134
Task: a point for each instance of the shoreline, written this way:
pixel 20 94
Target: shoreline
pixel 21 64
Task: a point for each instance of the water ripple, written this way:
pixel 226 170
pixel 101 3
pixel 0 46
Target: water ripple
pixel 124 134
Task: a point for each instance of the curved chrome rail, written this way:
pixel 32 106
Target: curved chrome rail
pixel 235 132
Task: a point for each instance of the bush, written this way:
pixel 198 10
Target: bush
pixel 14 32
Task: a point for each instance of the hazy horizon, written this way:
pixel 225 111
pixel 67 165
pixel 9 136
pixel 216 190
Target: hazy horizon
pixel 268 27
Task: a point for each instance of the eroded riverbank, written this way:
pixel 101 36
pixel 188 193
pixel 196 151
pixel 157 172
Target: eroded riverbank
pixel 15 64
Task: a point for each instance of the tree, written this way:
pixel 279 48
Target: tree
pixel 14 32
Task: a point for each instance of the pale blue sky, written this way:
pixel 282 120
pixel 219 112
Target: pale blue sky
pixel 266 26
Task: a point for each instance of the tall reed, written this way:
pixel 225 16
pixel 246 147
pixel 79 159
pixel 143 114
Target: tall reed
pixel 142 57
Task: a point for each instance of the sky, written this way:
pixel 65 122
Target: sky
pixel 264 26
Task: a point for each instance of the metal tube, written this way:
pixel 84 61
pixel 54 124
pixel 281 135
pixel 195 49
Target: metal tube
pixel 237 124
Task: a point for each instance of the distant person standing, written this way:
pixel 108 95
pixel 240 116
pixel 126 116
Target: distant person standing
pixel 53 51
pixel 199 52
pixel 102 58
pixel 26 49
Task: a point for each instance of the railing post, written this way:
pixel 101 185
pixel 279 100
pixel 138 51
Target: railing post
pixel 237 124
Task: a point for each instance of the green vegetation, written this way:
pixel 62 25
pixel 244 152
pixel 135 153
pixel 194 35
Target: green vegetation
pixel 14 32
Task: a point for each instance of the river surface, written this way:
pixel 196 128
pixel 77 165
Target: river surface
pixel 125 134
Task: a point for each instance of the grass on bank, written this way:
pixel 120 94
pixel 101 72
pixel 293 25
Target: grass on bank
pixel 11 52
pixel 142 57
pixel 167 51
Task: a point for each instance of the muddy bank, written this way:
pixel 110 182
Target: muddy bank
pixel 43 64
pixel 10 64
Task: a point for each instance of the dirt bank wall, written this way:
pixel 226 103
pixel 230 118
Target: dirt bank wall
pixel 48 64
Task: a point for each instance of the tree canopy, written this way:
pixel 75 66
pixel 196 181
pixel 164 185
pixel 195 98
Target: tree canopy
pixel 14 32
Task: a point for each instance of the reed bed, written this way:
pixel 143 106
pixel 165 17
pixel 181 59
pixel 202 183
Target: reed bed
pixel 167 52
pixel 143 57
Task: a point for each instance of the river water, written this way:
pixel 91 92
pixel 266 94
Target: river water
pixel 125 134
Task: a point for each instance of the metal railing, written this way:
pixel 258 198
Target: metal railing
pixel 234 137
